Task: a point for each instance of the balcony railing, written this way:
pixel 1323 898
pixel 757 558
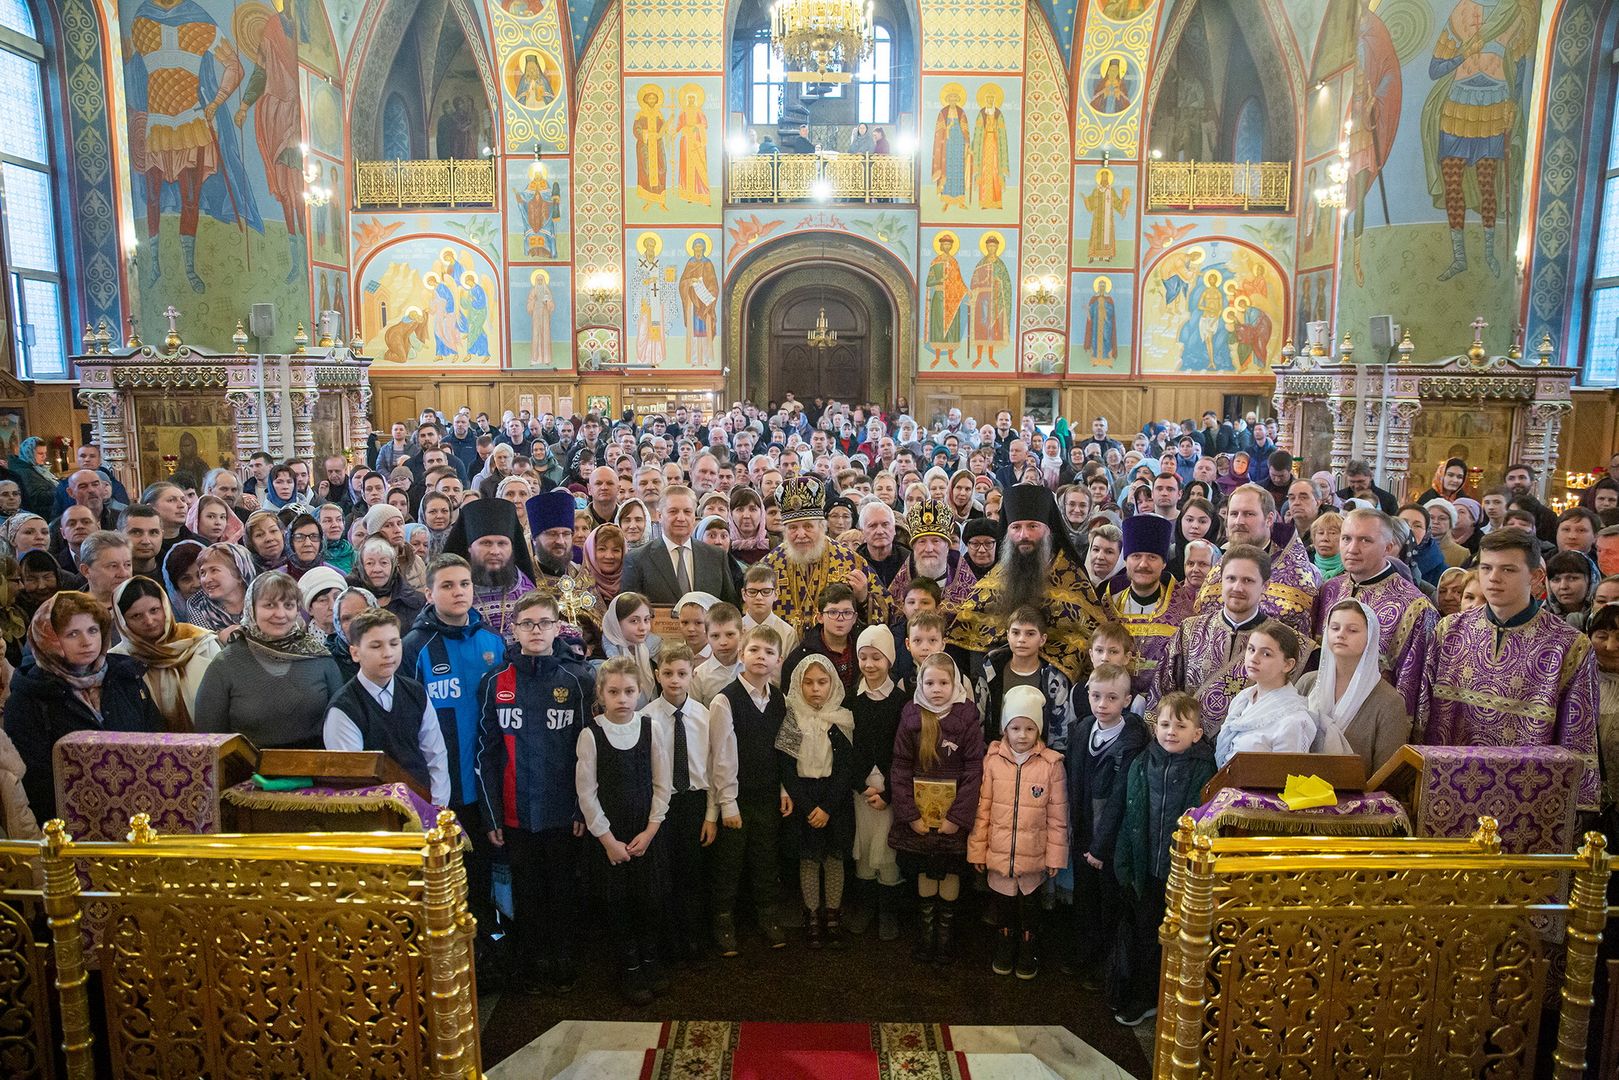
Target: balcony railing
pixel 1219 185
pixel 848 177
pixel 424 183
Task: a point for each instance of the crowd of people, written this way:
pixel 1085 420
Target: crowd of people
pixel 654 663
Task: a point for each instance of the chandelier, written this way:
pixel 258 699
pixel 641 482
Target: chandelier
pixel 819 337
pixel 1335 194
pixel 821 40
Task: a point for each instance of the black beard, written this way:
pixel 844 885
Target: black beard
pixel 503 579
pixel 550 566
pixel 1024 576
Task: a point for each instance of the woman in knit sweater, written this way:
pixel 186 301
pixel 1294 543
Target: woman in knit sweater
pixel 275 679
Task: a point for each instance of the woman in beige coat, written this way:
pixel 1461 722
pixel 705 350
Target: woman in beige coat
pixel 1349 692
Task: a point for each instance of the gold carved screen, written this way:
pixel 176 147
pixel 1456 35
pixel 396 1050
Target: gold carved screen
pixel 1480 433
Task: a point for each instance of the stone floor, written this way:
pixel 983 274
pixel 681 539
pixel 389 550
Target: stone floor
pixel 604 1050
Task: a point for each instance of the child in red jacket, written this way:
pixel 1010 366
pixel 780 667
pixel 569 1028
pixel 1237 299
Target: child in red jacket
pixel 1021 835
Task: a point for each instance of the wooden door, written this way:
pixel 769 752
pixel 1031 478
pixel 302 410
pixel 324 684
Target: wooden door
pixel 840 371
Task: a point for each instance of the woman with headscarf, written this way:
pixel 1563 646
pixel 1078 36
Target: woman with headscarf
pixel 496 468
pixel 350 601
pixel 378 571
pixel 604 558
pixel 334 541
pixel 275 679
pixel 632 520
pixel 627 631
pixel 1235 476
pixel 1449 482
pixel 71 684
pixel 387 522
pixel 436 515
pixel 176 654
pixel 28 467
pixel 23 532
pixel 305 549
pixel 1051 461
pixel 212 520
pixel 1349 692
pixel 224 572
pixel 180 579
pixel 749 540
pixel 42 578
pixel 266 541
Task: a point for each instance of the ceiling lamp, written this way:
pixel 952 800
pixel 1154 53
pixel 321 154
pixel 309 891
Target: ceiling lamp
pixel 821 41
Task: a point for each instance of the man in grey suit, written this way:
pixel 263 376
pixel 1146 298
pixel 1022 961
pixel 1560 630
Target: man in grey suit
pixel 665 569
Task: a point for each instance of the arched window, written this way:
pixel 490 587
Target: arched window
pixel 767 82
pixel 29 226
pixel 395 129
pixel 1602 355
pixel 875 78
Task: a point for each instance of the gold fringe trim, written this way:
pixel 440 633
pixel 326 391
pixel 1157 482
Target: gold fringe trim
pixel 346 804
pixel 1301 823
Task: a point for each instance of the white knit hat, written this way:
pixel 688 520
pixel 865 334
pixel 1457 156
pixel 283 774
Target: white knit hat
pixel 877 636
pixel 1024 701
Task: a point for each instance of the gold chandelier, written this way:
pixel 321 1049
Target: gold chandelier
pixel 820 337
pixel 821 40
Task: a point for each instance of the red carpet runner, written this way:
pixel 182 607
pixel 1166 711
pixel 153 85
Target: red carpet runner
pixel 719 1050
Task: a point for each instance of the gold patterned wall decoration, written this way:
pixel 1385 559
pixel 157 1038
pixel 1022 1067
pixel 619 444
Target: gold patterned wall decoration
pixel 674 35
pixel 533 77
pixel 598 184
pixel 1047 192
pixel 972 35
pixel 1113 63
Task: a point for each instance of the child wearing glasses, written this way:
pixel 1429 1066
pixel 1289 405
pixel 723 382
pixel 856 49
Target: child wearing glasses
pixel 531 709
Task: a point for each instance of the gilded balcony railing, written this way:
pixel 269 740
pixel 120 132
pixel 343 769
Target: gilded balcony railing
pixel 851 177
pixel 1219 185
pixel 425 183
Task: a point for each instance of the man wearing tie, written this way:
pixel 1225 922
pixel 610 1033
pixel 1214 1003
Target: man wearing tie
pixel 668 568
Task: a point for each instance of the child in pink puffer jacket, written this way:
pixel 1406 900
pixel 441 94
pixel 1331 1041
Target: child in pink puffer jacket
pixel 1021 834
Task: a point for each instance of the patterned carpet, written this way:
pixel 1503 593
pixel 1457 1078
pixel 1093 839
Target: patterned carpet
pixel 721 1050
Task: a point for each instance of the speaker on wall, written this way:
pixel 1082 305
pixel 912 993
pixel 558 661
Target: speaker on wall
pixel 261 321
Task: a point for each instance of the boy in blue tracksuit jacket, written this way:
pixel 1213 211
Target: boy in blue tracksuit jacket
pixel 530 712
pixel 449 651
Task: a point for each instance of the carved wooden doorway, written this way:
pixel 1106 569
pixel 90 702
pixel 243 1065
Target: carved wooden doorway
pixel 839 371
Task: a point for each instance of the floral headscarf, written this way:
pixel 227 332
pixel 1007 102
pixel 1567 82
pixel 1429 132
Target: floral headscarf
pixel 234 529
pixel 299 644
pixel 11 527
pixel 203 609
pixel 49 655
pixel 606 584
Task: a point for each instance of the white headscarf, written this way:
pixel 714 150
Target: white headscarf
pixel 957 696
pixel 806 734
pixel 1341 713
pixel 613 634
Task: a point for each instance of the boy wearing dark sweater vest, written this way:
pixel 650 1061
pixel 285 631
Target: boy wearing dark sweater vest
pixel 745 795
pixel 381 710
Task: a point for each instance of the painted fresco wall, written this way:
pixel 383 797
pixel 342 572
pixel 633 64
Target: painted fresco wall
pixel 608 127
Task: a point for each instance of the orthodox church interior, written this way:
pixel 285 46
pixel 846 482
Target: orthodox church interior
pixel 1392 224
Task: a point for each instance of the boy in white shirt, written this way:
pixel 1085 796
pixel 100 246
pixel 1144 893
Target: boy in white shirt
pixel 724 653
pixel 758 602
pixel 686 830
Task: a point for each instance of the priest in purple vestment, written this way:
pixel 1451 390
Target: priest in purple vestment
pixel 1146 605
pixel 1405 617
pixel 1206 655
pixel 1511 673
pixel 1294 582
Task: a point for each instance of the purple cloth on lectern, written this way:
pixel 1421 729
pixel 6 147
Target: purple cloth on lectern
pixel 419 812
pixel 1528 790
pixel 1260 813
pixel 103 778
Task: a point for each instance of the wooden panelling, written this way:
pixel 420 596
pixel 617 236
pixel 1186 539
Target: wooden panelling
pixel 1591 433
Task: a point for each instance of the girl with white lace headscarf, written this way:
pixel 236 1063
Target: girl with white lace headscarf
pixel 1362 708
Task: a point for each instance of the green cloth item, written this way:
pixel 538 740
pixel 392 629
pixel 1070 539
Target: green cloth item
pixel 283 783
